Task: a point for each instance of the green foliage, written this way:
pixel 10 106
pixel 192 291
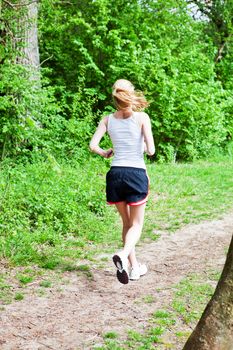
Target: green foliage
pixel 53 213
pixel 50 210
pixel 84 49
pixel 18 119
pixel 32 119
pixel 163 51
pixel 53 200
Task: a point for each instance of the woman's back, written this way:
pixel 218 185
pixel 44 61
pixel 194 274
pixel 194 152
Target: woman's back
pixel 128 141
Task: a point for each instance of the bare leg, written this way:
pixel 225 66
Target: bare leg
pixel 132 218
pixel 136 224
pixel 124 212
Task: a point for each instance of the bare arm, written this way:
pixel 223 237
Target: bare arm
pixel 148 136
pixel 96 138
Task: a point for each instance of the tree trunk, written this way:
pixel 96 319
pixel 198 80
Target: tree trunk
pixel 27 29
pixel 214 330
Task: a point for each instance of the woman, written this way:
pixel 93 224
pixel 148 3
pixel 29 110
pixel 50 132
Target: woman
pixel 127 181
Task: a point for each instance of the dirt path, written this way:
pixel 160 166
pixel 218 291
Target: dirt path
pixel 75 317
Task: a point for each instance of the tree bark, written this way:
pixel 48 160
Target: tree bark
pixel 214 330
pixel 23 32
pixel 27 29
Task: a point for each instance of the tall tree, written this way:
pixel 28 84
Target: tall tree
pixel 214 331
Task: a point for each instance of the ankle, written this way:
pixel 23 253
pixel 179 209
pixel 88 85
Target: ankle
pixel 124 253
pixel 135 266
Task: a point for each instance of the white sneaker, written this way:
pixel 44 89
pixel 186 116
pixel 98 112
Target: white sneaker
pixel 121 264
pixel 135 274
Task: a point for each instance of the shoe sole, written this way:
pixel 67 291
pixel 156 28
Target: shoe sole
pixel 122 274
pixel 134 278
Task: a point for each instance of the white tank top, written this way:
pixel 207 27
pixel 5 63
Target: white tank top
pixel 128 142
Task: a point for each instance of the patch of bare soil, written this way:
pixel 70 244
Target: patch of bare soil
pixel 76 316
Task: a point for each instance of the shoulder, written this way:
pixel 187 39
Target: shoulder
pixel 145 116
pixel 142 118
pixel 105 120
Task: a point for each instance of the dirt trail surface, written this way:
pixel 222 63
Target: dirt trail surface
pixel 76 316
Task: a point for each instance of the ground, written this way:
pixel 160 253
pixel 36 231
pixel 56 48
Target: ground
pixel 76 311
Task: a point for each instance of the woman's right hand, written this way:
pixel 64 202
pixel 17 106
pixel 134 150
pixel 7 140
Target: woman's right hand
pixel 108 153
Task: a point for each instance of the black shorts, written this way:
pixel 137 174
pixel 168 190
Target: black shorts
pixel 127 184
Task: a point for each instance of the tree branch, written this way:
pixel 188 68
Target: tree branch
pixel 14 6
pixel 46 60
pixel 9 3
pixel 221 48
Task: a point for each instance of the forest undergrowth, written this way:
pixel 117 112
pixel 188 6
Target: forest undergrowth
pixel 54 212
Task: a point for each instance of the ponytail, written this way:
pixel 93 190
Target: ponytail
pixel 125 96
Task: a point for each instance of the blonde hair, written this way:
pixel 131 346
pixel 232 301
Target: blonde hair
pixel 125 96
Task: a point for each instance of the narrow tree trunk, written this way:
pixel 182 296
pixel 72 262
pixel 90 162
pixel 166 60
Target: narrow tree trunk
pixel 214 330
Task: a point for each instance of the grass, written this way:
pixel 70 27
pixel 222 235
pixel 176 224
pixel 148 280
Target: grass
pixel 149 299
pixel 5 291
pixel 19 280
pixel 191 296
pixel 110 335
pixel 19 296
pixel 24 279
pixel 85 270
pixel 52 214
pixel 171 325
pixel 52 218
pixel 45 284
pixel 189 193
pixel 53 221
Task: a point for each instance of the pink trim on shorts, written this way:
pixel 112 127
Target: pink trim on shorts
pixel 133 203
